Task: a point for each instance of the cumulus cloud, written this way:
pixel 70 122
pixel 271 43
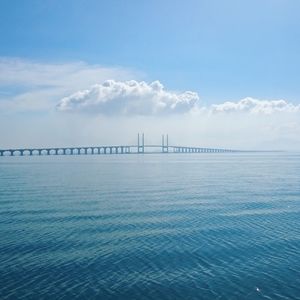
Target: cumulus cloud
pixel 129 98
pixel 255 106
pixel 140 98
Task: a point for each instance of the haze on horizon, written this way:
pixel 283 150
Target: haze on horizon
pixel 209 73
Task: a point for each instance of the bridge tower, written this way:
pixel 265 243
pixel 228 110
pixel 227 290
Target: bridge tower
pixel 141 143
pixel 165 143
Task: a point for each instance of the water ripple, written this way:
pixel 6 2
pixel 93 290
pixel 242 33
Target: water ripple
pixel 157 227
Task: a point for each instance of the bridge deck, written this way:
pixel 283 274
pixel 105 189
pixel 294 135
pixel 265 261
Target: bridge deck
pixel 119 149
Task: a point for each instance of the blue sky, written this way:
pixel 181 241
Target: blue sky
pixel 220 49
pixel 211 73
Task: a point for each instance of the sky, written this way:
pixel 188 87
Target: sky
pixel 210 73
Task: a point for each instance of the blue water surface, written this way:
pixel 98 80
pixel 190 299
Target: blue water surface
pixel 177 226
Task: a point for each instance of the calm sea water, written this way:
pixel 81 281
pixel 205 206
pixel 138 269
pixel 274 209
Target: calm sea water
pixel 194 226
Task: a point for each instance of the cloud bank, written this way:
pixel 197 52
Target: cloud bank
pixel 129 98
pixel 140 98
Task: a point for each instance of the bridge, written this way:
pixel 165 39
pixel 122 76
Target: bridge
pixel 140 148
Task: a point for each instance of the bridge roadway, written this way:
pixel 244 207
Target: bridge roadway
pixel 124 149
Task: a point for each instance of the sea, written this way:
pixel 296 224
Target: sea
pixel 150 226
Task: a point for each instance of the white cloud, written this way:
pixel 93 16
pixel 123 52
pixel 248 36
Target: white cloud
pixel 129 98
pixel 255 106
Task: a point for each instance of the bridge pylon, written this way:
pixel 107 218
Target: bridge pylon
pixel 141 143
pixel 165 143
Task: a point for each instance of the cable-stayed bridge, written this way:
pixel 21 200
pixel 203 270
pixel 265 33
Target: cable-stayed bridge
pixel 139 148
